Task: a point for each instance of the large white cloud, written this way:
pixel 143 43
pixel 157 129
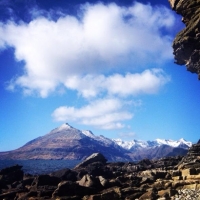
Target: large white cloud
pixel 102 113
pixel 103 37
pixel 147 82
pixel 95 54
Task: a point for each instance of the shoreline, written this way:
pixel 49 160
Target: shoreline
pixel 95 178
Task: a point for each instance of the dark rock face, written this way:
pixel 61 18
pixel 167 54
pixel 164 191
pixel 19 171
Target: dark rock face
pixel 187 42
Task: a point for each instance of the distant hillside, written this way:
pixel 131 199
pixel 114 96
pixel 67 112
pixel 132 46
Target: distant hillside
pixel 66 142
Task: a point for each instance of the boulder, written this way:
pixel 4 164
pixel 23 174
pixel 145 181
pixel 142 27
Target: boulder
pixel 94 169
pixel 89 181
pixel 107 194
pixel 26 195
pixel 10 194
pixel 65 175
pixel 11 174
pixel 167 193
pixel 151 195
pixel 131 192
pixel 42 180
pixel 95 157
pixel 69 188
pixel 104 182
pixel 134 196
pixel 176 173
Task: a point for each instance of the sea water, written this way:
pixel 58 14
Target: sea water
pixel 40 166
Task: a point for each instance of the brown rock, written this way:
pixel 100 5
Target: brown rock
pixel 104 182
pixel 65 175
pixel 151 195
pixel 187 42
pixel 192 159
pixel 68 188
pixel 10 194
pixel 89 181
pixel 167 193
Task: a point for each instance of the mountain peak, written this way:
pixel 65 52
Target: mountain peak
pixel 182 140
pixel 65 126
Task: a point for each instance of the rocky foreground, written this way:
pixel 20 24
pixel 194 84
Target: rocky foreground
pixel 96 179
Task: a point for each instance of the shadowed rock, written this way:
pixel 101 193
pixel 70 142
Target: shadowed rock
pixel 95 179
pixel 192 159
pixel 186 45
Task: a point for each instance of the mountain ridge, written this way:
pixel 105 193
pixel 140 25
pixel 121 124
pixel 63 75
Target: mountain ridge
pixel 148 144
pixel 67 142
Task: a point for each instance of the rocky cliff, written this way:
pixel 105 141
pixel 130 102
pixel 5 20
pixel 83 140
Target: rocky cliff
pixel 192 159
pixel 186 45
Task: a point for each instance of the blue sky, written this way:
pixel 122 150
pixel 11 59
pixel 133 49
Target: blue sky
pixel 99 65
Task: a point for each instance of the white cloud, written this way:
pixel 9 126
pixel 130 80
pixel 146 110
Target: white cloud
pixel 87 86
pixel 147 82
pixel 88 53
pixel 105 37
pixel 102 113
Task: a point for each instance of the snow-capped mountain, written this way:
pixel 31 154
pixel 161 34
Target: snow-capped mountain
pixel 130 144
pixel 101 139
pixel 175 143
pixel 139 144
pixel 67 142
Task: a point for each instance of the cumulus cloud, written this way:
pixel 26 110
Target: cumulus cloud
pixel 103 37
pixel 95 54
pixel 147 82
pixel 102 113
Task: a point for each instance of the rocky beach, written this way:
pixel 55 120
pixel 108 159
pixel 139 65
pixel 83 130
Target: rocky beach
pixel 95 179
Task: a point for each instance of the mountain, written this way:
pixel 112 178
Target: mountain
pixel 66 142
pixel 158 148
pixel 139 144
